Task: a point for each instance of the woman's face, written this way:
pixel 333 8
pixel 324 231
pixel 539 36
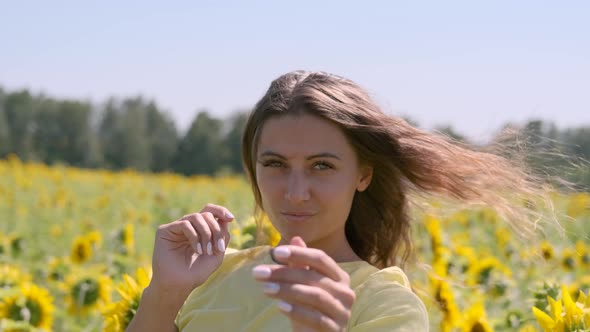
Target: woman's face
pixel 308 174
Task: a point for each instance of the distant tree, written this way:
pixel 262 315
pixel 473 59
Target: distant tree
pixel 544 151
pixel 410 120
pixel 577 141
pixel 233 141
pixel 63 132
pixel 449 131
pixel 110 136
pixel 5 145
pixel 135 141
pixel 124 136
pixel 19 111
pixel 200 150
pixel 48 142
pixel 577 145
pixel 163 138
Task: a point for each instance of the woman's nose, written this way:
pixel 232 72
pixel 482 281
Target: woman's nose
pixel 297 188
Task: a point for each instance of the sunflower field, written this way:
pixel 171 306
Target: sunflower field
pixel 75 252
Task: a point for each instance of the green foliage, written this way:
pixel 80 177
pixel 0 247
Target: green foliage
pixel 19 111
pixel 201 151
pixel 233 141
pixel 5 144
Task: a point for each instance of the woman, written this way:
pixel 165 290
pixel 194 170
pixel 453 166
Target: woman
pixel 332 173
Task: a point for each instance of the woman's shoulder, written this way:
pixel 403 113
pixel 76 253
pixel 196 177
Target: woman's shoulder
pixel 385 300
pixel 363 274
pixel 389 275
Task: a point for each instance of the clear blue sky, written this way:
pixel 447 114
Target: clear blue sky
pixel 472 64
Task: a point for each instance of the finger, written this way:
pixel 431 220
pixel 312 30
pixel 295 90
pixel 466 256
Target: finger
pixel 217 236
pixel 314 258
pixel 203 231
pixel 298 241
pixel 311 318
pixel 179 229
pixel 225 232
pixel 312 298
pixel 295 241
pixel 219 212
pixel 287 275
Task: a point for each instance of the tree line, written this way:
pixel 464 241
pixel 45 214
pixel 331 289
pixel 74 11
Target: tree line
pixel 120 133
pixel 136 133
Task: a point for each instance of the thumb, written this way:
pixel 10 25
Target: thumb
pixel 298 241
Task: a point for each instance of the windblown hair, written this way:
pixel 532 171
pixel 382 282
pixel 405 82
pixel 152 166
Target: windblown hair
pixel 405 159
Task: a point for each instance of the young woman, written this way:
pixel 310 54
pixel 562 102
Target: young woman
pixel 332 173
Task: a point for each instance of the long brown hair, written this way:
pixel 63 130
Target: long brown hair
pixel 405 159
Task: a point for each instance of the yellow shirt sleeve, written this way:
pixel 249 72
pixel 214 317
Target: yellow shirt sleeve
pixel 385 302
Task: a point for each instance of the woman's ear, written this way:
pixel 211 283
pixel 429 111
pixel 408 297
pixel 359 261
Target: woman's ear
pixel 365 178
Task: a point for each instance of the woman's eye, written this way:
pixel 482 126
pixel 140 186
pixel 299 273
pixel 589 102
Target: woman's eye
pixel 322 165
pixel 272 163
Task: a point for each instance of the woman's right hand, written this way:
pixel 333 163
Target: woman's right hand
pixel 187 251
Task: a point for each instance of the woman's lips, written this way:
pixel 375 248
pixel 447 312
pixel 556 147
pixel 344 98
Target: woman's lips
pixel 297 217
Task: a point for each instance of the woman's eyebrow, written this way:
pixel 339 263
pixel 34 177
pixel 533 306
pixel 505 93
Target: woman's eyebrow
pixel 269 153
pixel 323 155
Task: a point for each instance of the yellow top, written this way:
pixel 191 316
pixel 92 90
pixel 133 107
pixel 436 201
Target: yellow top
pixel 231 300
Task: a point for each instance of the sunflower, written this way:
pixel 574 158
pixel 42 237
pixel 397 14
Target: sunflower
pixel 30 304
pixel 583 253
pixel 58 268
pixel 444 297
pixel 95 238
pixel 272 235
pixel 581 284
pixel 484 271
pixel 118 315
pixel 568 259
pixel 11 276
pixel 564 314
pixel 87 290
pixel 81 250
pixel 466 256
pixel 547 250
pixel 433 227
pixel 126 238
pixel 17 245
pixel 258 230
pixel 475 320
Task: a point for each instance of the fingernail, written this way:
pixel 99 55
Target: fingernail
pixel 271 288
pixel 209 248
pixel 221 245
pixel 284 306
pixel 199 248
pixel 261 272
pixel 282 252
pixel 228 215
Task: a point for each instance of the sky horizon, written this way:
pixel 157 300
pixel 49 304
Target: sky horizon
pixel 474 66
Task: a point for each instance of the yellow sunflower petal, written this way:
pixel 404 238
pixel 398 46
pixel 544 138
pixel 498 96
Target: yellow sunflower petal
pixel 546 322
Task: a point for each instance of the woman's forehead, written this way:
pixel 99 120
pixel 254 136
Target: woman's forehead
pixel 302 135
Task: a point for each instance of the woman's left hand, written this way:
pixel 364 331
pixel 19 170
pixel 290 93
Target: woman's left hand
pixel 313 291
